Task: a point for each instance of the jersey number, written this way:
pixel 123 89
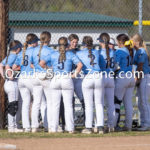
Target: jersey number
pixel 25 61
pixel 111 63
pixel 93 58
pixel 62 65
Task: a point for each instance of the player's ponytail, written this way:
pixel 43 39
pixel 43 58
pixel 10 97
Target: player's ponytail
pixel 124 39
pixel 45 38
pixel 63 44
pixel 88 42
pixel 105 38
pixel 30 39
pixel 138 38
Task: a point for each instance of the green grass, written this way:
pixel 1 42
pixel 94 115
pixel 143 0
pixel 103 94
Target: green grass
pixel 4 135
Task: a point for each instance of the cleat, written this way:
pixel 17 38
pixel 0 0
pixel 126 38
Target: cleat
pixel 60 129
pixel 101 130
pixel 87 131
pixel 16 130
pixel 144 129
pixel 71 132
pixel 126 129
pixel 34 130
pixel 110 130
pixel 27 130
pixel 11 130
pixel 95 130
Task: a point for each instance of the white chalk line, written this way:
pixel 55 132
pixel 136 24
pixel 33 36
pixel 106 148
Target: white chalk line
pixel 7 146
pixel 131 145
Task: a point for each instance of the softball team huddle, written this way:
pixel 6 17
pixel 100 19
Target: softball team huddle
pixel 94 75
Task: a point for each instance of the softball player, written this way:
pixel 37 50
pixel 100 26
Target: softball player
pixel 92 85
pixel 124 85
pixel 73 41
pixel 41 85
pixel 61 83
pixel 10 86
pixel 142 59
pixel 109 85
pixel 25 79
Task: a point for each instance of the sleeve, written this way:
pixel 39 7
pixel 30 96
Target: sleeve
pixel 18 60
pixel 141 57
pixel 75 59
pixel 11 61
pixel 4 61
pixel 102 63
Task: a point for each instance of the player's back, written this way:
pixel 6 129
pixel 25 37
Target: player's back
pixel 88 66
pixel 142 57
pixel 123 58
pixel 24 60
pixel 10 60
pixel 64 66
pixel 37 55
pixel 112 59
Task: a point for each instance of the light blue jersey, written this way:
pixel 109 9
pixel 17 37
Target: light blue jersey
pixel 10 61
pixel 141 57
pixel 35 57
pixel 112 59
pixel 26 64
pixel 61 67
pixel 89 67
pixel 123 59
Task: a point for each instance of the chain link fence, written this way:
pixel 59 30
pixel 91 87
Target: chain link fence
pixel 84 17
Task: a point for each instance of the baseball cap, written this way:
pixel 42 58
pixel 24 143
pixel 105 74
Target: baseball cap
pixel 112 41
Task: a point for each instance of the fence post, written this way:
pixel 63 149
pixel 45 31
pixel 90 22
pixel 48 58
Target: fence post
pixel 140 16
pixel 4 11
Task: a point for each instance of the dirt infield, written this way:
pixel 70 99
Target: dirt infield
pixel 103 143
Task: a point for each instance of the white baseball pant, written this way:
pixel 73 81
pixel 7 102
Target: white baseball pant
pixel 26 88
pixel 123 92
pixel 143 95
pixel 109 88
pixel 62 85
pixel 41 87
pixel 11 88
pixel 93 90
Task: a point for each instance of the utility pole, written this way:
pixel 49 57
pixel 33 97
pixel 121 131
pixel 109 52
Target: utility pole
pixel 140 16
pixel 4 11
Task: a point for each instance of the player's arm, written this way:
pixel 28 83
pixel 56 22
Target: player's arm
pixel 9 72
pixel 42 64
pixel 2 70
pixel 139 76
pixel 78 69
pixel 141 59
pixel 44 61
pixel 32 66
pixel 79 65
pixel 16 67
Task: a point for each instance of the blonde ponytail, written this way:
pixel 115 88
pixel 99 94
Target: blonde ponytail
pixel 145 47
pixel 62 50
pixel 41 46
pixel 63 43
pixel 24 51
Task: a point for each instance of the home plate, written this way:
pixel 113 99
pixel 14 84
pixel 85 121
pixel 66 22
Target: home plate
pixel 7 146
